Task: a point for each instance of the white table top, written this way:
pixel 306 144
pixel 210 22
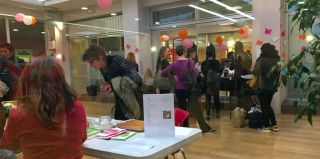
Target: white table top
pixel 101 148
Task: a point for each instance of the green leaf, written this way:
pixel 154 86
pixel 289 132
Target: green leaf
pixel 303 80
pixel 295 16
pixel 311 1
pixel 284 71
pixel 305 69
pixel 295 104
pixel 310 118
pixel 296 59
pixel 311 106
pixel 310 82
pixel 292 3
pixel 271 71
pixel 316 102
pixel 298 117
pixel 296 79
pixel 284 80
pixel 299 67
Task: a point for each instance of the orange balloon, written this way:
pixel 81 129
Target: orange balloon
pixel 161 38
pixel 33 20
pixel 219 40
pixel 183 34
pixel 245 28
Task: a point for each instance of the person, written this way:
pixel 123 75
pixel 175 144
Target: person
pixel 7 53
pixel 267 60
pixel 214 65
pixel 243 61
pixel 180 67
pixel 163 63
pixel 49 118
pixel 192 53
pixel 132 59
pixel 148 77
pixel 111 66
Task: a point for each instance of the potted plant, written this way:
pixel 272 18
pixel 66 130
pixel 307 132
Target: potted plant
pixel 306 12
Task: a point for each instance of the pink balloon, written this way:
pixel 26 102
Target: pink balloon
pixel 19 17
pixel 223 47
pixel 187 43
pixel 245 35
pixel 104 4
pixel 166 38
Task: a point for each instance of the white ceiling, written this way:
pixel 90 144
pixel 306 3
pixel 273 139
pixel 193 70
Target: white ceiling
pixel 61 5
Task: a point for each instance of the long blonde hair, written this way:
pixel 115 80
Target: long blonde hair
pixel 239 52
pixel 147 74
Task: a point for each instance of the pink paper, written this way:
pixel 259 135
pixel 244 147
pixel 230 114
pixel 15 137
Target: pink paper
pixel 284 33
pixel 268 31
pixel 281 24
pixel 137 50
pixel 303 47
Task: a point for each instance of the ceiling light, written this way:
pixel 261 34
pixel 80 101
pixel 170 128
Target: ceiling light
pixel 136 19
pixel 84 8
pixel 43 32
pixel 113 14
pixel 153 49
pixel 230 38
pixel 237 39
pixel 15 29
pixel 41 0
pixel 174 26
pixel 230 43
pixel 87 36
pixel 227 24
pixel 59 56
pixel 309 38
pixel 233 9
pixel 67 34
pixel 157 23
pixel 216 14
pixel 222 36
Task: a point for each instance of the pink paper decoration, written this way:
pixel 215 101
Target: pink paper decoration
pixel 166 38
pixel 187 43
pixel 245 35
pixel 104 4
pixel 137 50
pixel 281 24
pixel 268 31
pixel 223 47
pixel 303 47
pixel 109 52
pixel 284 33
pixel 19 17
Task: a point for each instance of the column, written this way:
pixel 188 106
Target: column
pixel 268 15
pixel 136 32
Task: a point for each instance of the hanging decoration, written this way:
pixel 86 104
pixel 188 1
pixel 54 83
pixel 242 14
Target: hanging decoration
pixel 245 35
pixel 283 54
pixel 245 28
pixel 187 43
pixel 281 24
pixel 268 31
pixel 240 31
pixel 219 40
pixel 284 33
pixel 183 34
pixel 259 42
pixel 27 20
pixel 128 46
pixel 303 47
pixel 223 47
pixel 104 4
pixel 19 17
pixel 166 38
pixel 275 39
pixel 303 36
pixel 137 50
pixel 33 20
pixel 161 38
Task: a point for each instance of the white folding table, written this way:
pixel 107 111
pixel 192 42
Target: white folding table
pixel 101 148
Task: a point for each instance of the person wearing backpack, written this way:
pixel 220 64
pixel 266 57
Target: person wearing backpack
pixel 186 74
pixel 211 66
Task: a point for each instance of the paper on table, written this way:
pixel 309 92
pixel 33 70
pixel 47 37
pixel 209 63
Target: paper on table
pixel 182 132
pixel 136 146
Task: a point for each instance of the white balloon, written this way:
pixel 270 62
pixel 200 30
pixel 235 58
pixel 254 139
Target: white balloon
pixel 27 20
pixel 250 31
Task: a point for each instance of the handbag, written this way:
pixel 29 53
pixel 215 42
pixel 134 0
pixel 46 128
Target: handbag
pixel 161 82
pixel 4 88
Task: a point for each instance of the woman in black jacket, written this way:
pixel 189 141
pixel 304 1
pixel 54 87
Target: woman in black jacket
pixel 268 58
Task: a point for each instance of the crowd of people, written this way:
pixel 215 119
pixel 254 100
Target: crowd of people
pixel 52 111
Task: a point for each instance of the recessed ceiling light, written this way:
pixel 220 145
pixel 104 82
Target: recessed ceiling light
pixel 87 36
pixel 113 14
pixel 67 34
pixel 15 29
pixel 41 0
pixel 174 26
pixel 222 36
pixel 213 13
pixel 227 24
pixel 157 23
pixel 232 8
pixel 43 32
pixel 136 19
pixel 84 8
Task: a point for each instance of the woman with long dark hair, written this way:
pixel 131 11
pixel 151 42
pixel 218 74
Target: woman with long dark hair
pixel 163 63
pixel 49 119
pixel 268 59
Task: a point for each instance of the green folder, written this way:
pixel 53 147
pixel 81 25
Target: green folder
pixel 124 136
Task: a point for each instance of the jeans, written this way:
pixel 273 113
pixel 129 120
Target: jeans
pixel 182 101
pixel 267 111
pixel 216 103
pixel 6 154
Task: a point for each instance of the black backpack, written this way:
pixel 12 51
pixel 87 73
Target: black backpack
pixel 255 120
pixel 190 80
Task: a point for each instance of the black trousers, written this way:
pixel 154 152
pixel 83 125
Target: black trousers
pixel 164 91
pixel 267 111
pixel 182 101
pixel 216 103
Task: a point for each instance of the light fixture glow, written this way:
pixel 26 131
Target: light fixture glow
pixel 230 43
pixel 174 26
pixel 237 39
pixel 226 24
pixel 67 34
pixel 222 36
pixel 231 8
pixel 300 2
pixel 164 44
pixel 153 49
pixel 41 0
pixel 60 25
pixel 309 38
pixel 136 19
pixel 84 8
pixel 305 9
pixel 43 32
pixel 15 29
pixel 157 23
pixel 113 14
pixel 87 36
pixel 58 56
pixel 216 14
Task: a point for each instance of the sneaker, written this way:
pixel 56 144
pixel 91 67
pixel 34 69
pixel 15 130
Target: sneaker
pixel 210 132
pixel 275 128
pixel 267 130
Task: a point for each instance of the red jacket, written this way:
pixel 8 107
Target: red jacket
pixel 27 132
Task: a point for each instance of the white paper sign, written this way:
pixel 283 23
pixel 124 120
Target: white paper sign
pixel 159 115
pixel 258 51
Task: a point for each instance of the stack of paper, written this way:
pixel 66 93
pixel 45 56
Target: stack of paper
pixel 111 133
pixel 136 146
